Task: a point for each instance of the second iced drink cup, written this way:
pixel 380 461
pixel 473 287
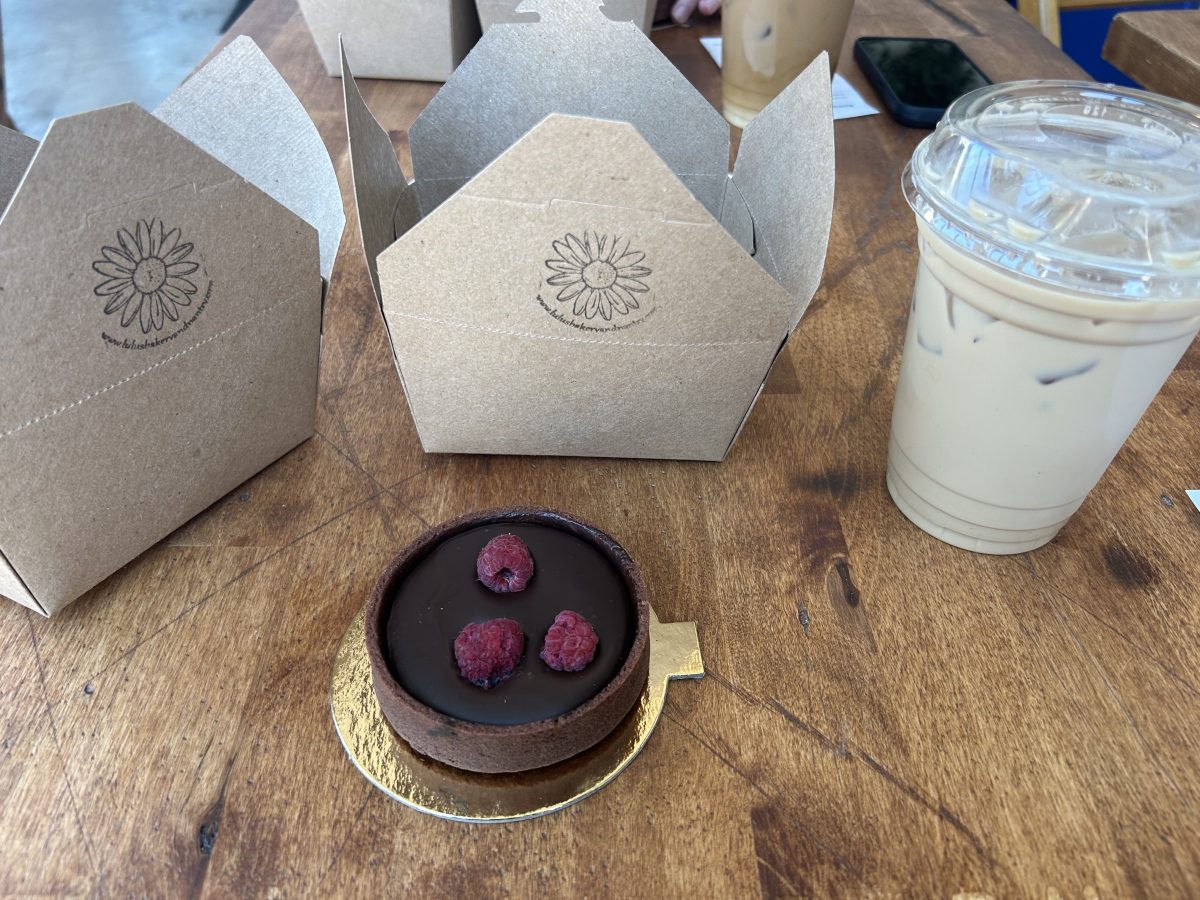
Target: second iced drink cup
pixel 1058 286
pixel 767 43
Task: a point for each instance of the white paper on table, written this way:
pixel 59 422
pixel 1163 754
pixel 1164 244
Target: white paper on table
pixel 1194 496
pixel 847 102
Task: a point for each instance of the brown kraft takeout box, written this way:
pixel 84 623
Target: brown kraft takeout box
pixel 161 283
pixel 573 269
pixel 419 40
pixel 639 12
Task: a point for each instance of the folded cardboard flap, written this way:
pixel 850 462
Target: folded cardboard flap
pixel 785 174
pixel 385 200
pixel 528 70
pixel 652 362
pixel 421 40
pixel 239 110
pixel 161 319
pixel 778 203
pixel 380 187
pixel 629 292
pixel 16 151
pixel 639 12
pixel 781 194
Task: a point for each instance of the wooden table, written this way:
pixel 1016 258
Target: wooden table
pixel 1159 50
pixel 883 714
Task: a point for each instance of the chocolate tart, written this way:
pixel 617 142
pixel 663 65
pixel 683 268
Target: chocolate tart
pixel 538 717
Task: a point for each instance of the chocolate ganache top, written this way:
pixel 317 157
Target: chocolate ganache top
pixel 441 594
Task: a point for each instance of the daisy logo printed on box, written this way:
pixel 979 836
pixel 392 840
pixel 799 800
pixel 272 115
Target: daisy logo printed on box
pixel 148 285
pixel 597 283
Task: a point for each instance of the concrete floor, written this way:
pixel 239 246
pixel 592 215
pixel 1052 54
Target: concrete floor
pixel 68 56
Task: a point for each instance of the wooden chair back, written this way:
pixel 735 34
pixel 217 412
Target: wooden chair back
pixel 1044 14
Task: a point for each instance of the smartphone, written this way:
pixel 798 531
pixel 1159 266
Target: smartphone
pixel 917 78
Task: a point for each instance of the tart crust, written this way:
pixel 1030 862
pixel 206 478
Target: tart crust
pixel 507 748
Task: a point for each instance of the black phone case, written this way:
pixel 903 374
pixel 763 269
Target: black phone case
pixel 904 113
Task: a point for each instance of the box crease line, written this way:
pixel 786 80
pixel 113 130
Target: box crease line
pixel 383 313
pixel 162 362
pixel 752 249
pixel 754 400
pixel 658 213
pixel 573 340
pixel 466 178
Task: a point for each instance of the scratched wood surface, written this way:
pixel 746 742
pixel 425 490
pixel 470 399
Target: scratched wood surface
pixel 884 715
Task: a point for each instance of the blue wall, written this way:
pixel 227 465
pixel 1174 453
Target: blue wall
pixel 1083 34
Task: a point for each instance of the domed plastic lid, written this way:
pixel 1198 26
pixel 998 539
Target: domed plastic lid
pixel 1093 188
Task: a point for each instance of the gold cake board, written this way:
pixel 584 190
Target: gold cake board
pixel 440 790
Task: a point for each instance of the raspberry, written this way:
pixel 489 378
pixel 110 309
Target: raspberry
pixel 570 642
pixel 504 565
pixel 488 652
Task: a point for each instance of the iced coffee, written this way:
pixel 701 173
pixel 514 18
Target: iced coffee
pixel 767 43
pixel 1058 285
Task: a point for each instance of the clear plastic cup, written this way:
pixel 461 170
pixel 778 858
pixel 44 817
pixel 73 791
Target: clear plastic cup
pixel 767 43
pixel 1058 286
